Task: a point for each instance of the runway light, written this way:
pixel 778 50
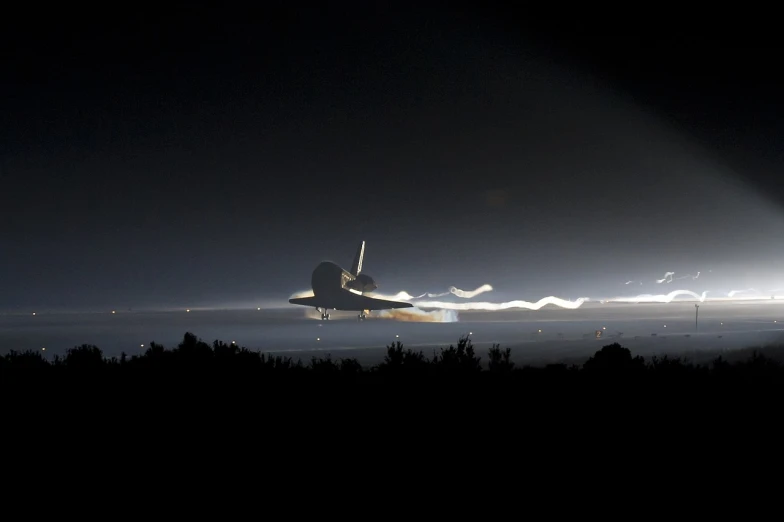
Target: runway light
pixel 665 326
pixel 397 335
pixel 318 338
pixel 540 331
pixel 234 342
pixel 188 310
pixel 33 313
pixel 142 346
pixel 604 327
pixel 470 333
pixel 114 312
pixel 259 308
pixel 43 349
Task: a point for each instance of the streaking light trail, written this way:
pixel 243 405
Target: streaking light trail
pixel 661 298
pixel 428 309
pixel 461 293
pixel 419 316
pixel 750 290
pixel 572 305
pixel 405 296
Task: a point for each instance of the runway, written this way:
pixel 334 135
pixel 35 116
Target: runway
pixel 535 337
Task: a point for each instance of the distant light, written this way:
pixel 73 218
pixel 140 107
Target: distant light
pixel 114 312
pixel 604 327
pixel 234 342
pixel 665 326
pixel 33 313
pixel 540 331
pixel 44 349
pixel 470 333
pixel 397 335
pixel 722 324
pixel 188 310
pixel 142 346
pixel 318 338
pixel 259 308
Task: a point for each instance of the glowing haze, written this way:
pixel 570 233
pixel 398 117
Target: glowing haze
pixel 428 310
pixel 145 168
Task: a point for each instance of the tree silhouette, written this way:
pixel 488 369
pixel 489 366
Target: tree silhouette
pixel 614 357
pixel 459 359
pixel 223 365
pixel 194 350
pixel 398 360
pixel 85 356
pixel 27 360
pixel 500 361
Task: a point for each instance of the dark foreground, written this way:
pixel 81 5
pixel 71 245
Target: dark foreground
pixel 196 367
pixel 197 394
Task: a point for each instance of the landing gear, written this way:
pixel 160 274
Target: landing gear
pixel 362 315
pixel 324 314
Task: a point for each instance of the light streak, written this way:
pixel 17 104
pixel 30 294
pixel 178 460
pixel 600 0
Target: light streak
pixel 661 298
pixel 688 276
pixel 572 305
pixel 418 316
pixel 465 294
pixel 735 292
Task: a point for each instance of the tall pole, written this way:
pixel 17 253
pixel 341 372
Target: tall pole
pixel 696 316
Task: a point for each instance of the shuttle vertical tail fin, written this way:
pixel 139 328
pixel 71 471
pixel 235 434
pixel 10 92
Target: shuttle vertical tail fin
pixel 356 266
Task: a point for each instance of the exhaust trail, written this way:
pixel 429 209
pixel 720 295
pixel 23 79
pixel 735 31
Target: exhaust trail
pixel 571 305
pixel 750 290
pixel 417 316
pixel 465 294
pixel 661 298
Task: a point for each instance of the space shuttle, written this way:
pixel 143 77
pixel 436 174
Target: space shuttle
pixel 335 288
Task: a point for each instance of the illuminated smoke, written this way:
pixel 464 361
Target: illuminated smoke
pixel 462 293
pixel 311 313
pixel 400 296
pixel 417 316
pixel 405 296
pixel 667 278
pixel 661 298
pixel 688 276
pixel 735 292
pixel 503 306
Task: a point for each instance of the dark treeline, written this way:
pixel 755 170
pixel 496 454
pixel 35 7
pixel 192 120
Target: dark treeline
pixel 223 386
pixel 195 356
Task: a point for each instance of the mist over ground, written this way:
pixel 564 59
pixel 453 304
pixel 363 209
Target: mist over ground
pixel 535 337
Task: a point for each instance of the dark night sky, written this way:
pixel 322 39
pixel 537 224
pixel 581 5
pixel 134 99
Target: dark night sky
pixel 215 156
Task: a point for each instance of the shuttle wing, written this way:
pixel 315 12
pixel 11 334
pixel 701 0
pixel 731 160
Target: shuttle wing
pixel 364 302
pixel 345 300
